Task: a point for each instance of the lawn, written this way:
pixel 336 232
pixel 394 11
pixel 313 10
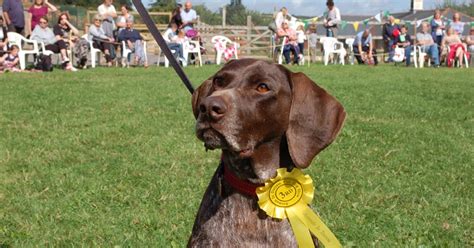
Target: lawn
pixel 108 157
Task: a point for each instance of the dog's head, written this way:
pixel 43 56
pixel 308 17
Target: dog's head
pixel 250 102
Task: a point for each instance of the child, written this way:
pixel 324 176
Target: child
pixel 10 60
pixel 312 41
pixel 300 37
pixel 182 38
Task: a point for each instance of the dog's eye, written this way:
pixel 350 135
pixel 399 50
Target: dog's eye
pixel 263 88
pixel 218 82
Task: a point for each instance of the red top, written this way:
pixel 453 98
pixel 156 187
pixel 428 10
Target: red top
pixel 36 14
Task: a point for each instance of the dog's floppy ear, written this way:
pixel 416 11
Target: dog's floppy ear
pixel 315 119
pixel 199 93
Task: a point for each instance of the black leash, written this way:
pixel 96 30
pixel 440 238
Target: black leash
pixel 162 43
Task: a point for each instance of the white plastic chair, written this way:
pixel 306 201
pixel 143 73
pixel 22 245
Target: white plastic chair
pixel 419 56
pixel 350 44
pixel 332 46
pixel 127 51
pixel 20 41
pixel 192 47
pixel 280 53
pixel 220 51
pixel 94 51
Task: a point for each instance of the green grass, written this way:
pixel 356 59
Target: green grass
pixel 108 157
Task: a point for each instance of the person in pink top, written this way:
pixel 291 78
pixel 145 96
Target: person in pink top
pixel 39 9
pixel 291 44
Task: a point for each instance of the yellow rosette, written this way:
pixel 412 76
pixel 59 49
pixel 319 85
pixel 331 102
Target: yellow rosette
pixel 287 196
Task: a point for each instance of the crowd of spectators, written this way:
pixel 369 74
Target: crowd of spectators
pixel 111 32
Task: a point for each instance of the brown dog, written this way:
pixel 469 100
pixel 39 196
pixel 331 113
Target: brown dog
pixel 263 117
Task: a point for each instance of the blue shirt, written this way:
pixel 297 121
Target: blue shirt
pixel 14 8
pixel 129 34
pixel 359 39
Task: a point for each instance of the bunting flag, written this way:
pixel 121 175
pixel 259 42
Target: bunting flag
pixel 386 13
pixel 343 25
pixel 378 17
pixel 472 24
pixel 356 26
pixel 448 22
pixel 418 23
pixel 397 21
pixel 315 19
pixel 408 24
pixel 366 21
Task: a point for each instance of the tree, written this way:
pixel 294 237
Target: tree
pixel 90 4
pixel 467 8
pixel 163 5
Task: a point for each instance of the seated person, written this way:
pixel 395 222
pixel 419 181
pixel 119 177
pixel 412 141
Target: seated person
pixel 172 41
pixel 63 31
pixel 470 41
pixel 405 41
pixel 3 38
pixel 291 44
pixel 425 40
pixel 9 61
pixel 100 40
pixel 181 37
pixel 364 50
pixel 134 41
pixel 42 33
pixel 456 47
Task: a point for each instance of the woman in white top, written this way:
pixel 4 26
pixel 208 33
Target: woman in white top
pixel 437 28
pixel 108 13
pixel 300 38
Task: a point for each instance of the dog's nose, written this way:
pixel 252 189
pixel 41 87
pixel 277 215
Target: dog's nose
pixel 215 107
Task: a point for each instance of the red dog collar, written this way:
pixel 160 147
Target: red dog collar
pixel 244 187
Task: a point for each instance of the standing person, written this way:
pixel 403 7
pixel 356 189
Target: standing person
pixel 291 45
pixel 14 16
pixel 39 9
pixel 312 41
pixel 134 42
pixel 100 40
pixel 405 41
pixel 3 38
pixel 364 50
pixel 281 17
pixel 122 19
pixel 425 40
pixel 108 13
pixel 391 30
pixel 188 17
pixel 437 29
pixel 176 17
pixel 457 25
pixel 331 18
pixel 300 38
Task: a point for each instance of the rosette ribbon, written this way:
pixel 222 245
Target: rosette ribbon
pixel 287 196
